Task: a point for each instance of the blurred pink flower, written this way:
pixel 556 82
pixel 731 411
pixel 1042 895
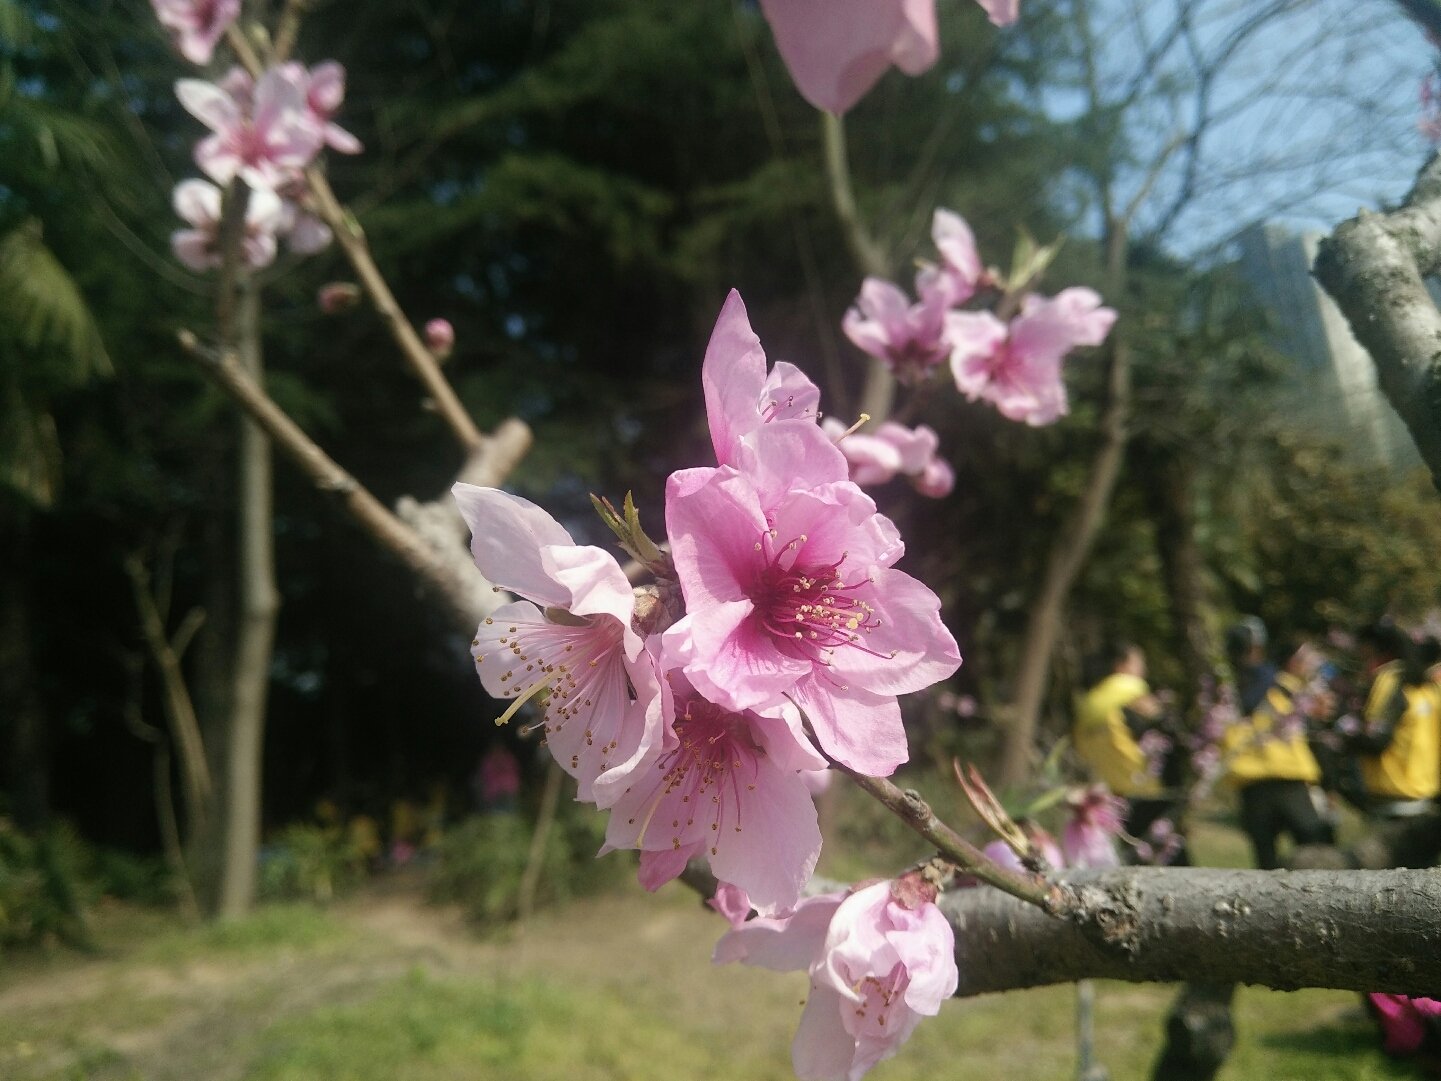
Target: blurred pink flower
pixel 576 654
pixel 440 337
pixel 894 450
pixel 961 271
pixel 1044 843
pixel 336 297
pixel 1096 820
pixel 196 25
pixel 909 339
pixel 323 88
pixel 265 141
pixel 1018 367
pixel 199 203
pixel 1002 12
pixel 836 50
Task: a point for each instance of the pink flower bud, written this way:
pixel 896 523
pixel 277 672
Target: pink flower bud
pixel 440 338
pixel 336 297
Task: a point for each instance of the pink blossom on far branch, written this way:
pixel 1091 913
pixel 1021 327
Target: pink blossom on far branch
pixel 1017 366
pixel 196 25
pixel 876 966
pixel 894 450
pixel 440 338
pixel 912 339
pixel 265 137
pixel 198 202
pixel 1097 817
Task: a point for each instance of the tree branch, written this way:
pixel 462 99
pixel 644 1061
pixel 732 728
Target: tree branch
pixel 448 574
pixel 1350 930
pixel 1373 266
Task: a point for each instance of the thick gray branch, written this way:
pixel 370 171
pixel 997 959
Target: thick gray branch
pixel 1353 930
pixel 1373 265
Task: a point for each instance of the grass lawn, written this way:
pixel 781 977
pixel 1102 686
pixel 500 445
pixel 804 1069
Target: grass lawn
pixel 385 988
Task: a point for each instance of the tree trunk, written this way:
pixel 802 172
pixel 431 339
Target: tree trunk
pixel 1073 541
pixel 1170 493
pixel 254 638
pixel 26 758
pixel 1068 556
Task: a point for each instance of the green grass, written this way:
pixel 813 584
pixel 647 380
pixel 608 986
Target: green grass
pixel 613 987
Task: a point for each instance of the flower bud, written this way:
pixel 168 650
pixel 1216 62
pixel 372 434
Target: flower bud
pixel 336 297
pixel 440 338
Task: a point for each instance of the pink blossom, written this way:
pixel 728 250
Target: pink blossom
pixel 910 339
pixel 440 337
pixel 577 652
pixel 323 88
pixel 877 969
pixel 265 142
pixel 836 50
pixel 336 297
pixel 1002 12
pixel 961 271
pixel 1096 819
pixel 795 597
pixel 199 203
pixel 725 786
pixel 1044 844
pixel 1018 368
pixel 196 25
pixel 894 450
pixel 498 776
pixel 749 408
pixel 1404 1021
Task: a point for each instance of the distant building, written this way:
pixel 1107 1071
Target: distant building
pixel 1336 390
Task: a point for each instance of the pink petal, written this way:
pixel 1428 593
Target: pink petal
pixel 823 1050
pixel 732 376
pixel 837 49
pixel 209 104
pixel 856 728
pixel 662 866
pixel 1002 12
pixel 195 248
pixel 506 535
pixel 198 202
pixel 781 944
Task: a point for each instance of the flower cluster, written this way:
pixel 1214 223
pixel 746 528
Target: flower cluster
pixel 879 960
pixel 777 636
pixel 1014 364
pixel 894 450
pixel 836 50
pixel 263 132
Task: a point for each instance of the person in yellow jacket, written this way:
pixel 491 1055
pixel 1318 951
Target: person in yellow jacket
pixel 1115 717
pixel 1399 746
pixel 1268 758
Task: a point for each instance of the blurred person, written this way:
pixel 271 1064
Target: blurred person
pixel 1246 642
pixel 1268 758
pixel 1126 738
pixel 1398 746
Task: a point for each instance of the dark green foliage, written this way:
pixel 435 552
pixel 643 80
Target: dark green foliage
pixel 480 862
pixel 44 887
pixel 310 863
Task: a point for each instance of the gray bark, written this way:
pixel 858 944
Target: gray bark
pixel 1373 266
pixel 254 642
pixel 1352 930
